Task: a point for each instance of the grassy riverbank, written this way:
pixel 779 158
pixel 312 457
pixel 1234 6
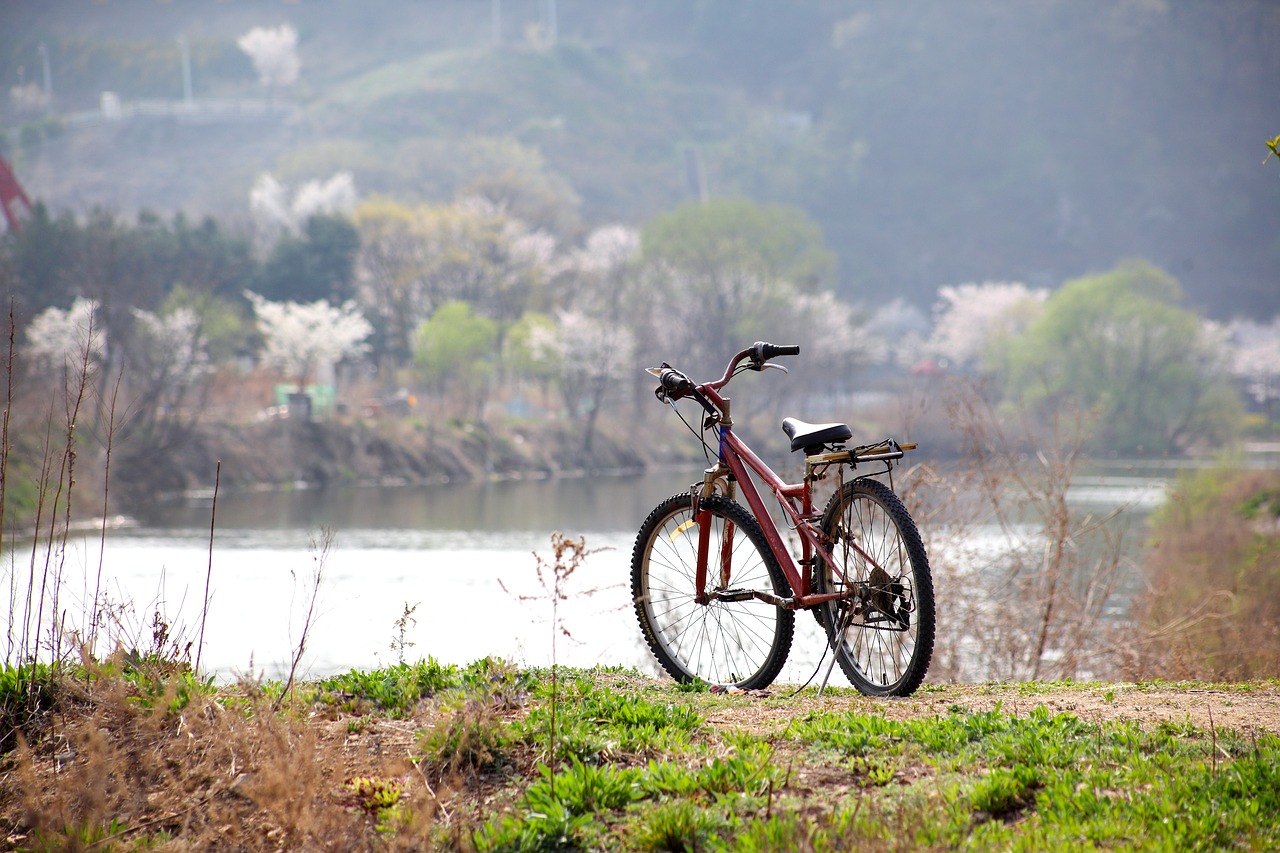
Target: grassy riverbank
pixel 139 755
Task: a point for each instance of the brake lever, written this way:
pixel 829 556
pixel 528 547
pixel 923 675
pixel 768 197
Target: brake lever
pixel 774 366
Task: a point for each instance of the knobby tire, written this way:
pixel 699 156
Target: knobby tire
pixel 739 643
pixel 885 649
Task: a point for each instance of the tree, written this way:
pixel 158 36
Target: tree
pixel 274 53
pixel 1255 361
pixel 390 283
pixel 42 261
pixel 775 241
pixel 593 355
pixel 526 354
pixel 167 363
pixel 317 264
pixel 172 355
pixel 974 323
pixel 1118 345
pixel 415 260
pixel 300 338
pixel 719 273
pixel 1209 607
pixel 455 350
pixel 57 338
pixel 276 214
pixel 226 331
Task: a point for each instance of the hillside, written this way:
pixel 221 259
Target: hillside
pixel 935 144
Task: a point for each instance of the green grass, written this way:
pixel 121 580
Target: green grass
pixel 638 764
pixel 970 779
pixel 398 688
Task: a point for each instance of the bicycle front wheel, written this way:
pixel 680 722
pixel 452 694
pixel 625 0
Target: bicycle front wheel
pixel 885 644
pixel 742 643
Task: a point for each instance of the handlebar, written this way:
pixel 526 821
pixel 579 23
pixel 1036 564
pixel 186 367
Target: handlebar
pixel 762 352
pixel 674 385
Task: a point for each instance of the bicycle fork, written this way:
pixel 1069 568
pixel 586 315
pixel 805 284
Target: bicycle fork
pixel 712 480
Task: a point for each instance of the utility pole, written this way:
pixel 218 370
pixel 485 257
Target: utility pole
pixel 186 71
pixel 48 77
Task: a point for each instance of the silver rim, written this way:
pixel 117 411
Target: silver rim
pixel 721 642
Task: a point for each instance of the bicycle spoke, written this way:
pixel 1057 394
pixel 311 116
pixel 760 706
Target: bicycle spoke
pixel 885 644
pixel 735 642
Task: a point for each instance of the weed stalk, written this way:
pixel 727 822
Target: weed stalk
pixel 319 554
pixel 106 489
pixel 208 575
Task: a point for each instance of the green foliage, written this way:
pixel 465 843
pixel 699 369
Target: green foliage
pixel 456 345
pixel 395 688
pixel 778 242
pixel 555 828
pixel 161 684
pixel 467 737
pixel 102 255
pixel 677 827
pixel 584 788
pixel 1262 505
pixel 27 693
pixel 594 723
pixel 557 809
pixel 1118 346
pixel 375 794
pixel 522 354
pixel 1005 790
pixel 228 332
pixel 319 263
pixel 33 134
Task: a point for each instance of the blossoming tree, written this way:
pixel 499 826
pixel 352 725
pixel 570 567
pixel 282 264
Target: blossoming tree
pixel 299 338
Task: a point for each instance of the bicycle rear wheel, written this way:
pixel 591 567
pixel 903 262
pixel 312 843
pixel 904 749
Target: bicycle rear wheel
pixel 741 643
pixel 885 645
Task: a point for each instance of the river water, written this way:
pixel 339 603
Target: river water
pixel 461 557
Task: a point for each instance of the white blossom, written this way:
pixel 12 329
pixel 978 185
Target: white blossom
pixel 56 337
pixel 274 53
pixel 274 212
pixel 269 205
pixel 589 348
pixel 971 316
pixel 532 248
pixel 336 196
pixel 608 248
pixel 830 331
pixel 303 337
pixel 173 346
pixel 1255 357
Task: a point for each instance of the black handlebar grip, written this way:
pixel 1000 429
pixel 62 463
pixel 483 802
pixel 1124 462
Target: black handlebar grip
pixel 674 382
pixel 762 351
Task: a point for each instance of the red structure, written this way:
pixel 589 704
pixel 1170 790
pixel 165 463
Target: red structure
pixel 11 191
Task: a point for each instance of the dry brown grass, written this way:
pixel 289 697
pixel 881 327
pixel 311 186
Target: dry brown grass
pixel 1022 579
pixel 1210 604
pixel 220 773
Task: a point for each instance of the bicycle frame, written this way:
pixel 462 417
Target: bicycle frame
pixel 735 464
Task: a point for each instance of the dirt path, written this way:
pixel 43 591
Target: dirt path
pixel 1246 708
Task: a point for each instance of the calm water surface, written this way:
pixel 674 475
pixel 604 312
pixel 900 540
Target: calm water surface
pixel 462 556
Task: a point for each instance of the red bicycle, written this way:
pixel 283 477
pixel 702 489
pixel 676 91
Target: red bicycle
pixel 716 587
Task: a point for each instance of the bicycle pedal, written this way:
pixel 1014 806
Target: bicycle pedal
pixel 733 594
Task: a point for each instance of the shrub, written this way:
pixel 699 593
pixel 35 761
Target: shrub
pixel 1210 604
